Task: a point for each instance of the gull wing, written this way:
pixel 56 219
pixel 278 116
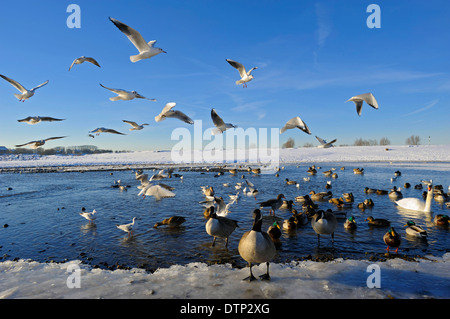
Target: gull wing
pixel 93 61
pixel 29 143
pixel 134 124
pixel 167 108
pixel 159 192
pixel 26 119
pixel 50 119
pixel 217 120
pixel 16 84
pixel 117 91
pixel 238 66
pixel 40 85
pixel 179 115
pixel 321 141
pixel 109 130
pixel 134 36
pixel 54 138
pixel 295 122
pixel 73 64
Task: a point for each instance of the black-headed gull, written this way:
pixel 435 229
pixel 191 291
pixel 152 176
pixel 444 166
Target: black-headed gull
pixel 84 59
pixel 36 144
pixel 168 112
pixel 325 144
pixel 127 227
pixel 359 99
pixel 158 191
pixel 221 126
pixel 26 94
pixel 38 119
pixel 245 76
pixel 125 95
pixel 88 215
pixel 99 130
pixel 295 122
pixel 146 50
pixel 135 126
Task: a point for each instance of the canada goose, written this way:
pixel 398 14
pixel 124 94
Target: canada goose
pixel 218 226
pixel 392 239
pixel 324 223
pixel 173 221
pixel 414 230
pixel 380 222
pixel 274 204
pixel 257 247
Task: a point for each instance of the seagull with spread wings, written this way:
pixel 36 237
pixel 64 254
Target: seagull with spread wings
pixel 325 144
pixel 146 50
pixel 26 94
pixel 295 122
pixel 125 95
pixel 168 112
pixel 359 99
pixel 221 126
pixel 83 59
pixel 38 119
pixel 245 76
pixel 39 143
pixel 135 126
pixel 99 130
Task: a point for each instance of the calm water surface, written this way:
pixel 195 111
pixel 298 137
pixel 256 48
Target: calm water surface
pixel 42 211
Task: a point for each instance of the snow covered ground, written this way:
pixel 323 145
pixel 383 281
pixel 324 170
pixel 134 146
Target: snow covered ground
pixel 306 279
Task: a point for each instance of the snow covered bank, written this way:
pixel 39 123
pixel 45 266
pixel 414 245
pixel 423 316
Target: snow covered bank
pixel 305 280
pixel 422 153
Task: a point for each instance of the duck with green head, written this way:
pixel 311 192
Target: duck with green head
pixel 392 239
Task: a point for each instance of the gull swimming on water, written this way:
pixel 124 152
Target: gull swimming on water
pixel 295 122
pixel 366 97
pixel 146 50
pixel 325 144
pixel 125 95
pixel 26 94
pixel 38 119
pixel 168 112
pixel 245 76
pixel 84 59
pixel 99 130
pixel 135 126
pixel 221 126
pixel 36 144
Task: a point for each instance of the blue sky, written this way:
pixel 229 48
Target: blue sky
pixel 312 56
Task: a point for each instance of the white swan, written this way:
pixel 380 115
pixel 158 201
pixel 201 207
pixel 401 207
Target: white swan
pixel 416 204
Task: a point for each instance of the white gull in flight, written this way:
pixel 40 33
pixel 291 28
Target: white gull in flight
pixel 125 95
pixel 26 94
pixel 245 76
pixel 359 99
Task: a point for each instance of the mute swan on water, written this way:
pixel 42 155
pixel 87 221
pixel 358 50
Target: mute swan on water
pixel 416 204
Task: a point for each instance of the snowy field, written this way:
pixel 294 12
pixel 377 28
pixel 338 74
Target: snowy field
pixel 394 278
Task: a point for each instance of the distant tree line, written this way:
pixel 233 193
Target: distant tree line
pixel 70 150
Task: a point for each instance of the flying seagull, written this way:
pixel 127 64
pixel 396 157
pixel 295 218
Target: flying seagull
pixel 146 50
pixel 135 126
pixel 38 119
pixel 295 122
pixel 99 130
pixel 221 126
pixel 26 94
pixel 125 95
pixel 245 76
pixel 84 59
pixel 325 144
pixel 366 97
pixel 168 112
pixel 36 144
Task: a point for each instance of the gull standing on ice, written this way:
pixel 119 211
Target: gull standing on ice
pixel 38 119
pixel 135 126
pixel 84 59
pixel 146 50
pixel 168 112
pixel 221 126
pixel 26 94
pixel 366 97
pixel 295 122
pixel 245 76
pixel 325 144
pixel 125 95
pixel 99 130
pixel 36 144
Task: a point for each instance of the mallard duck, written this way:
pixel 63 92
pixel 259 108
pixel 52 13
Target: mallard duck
pixel 362 205
pixel 441 220
pixel 274 204
pixel 350 223
pixel 290 224
pixel 287 204
pixel 381 192
pixel 274 232
pixel 336 201
pixel 300 218
pixel 257 247
pixel 368 190
pixel 289 182
pixel 414 230
pixel 379 222
pixel 233 171
pixel 312 171
pixel 441 197
pixel 407 185
pixel 218 226
pixel 418 186
pixel 358 171
pixel 327 173
pixel 392 239
pixel 324 223
pixel 397 173
pixel 321 195
pixel 174 221
pixel 395 194
pixel 328 185
pixel 348 197
pixel 256 170
pixel 334 175
pixel 369 202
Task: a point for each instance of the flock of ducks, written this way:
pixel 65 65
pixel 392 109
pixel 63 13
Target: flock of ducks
pixel 258 246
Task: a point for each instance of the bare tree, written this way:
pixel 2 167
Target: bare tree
pixel 290 143
pixel 413 140
pixel 385 141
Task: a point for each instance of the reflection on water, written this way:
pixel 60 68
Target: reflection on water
pixel 42 211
